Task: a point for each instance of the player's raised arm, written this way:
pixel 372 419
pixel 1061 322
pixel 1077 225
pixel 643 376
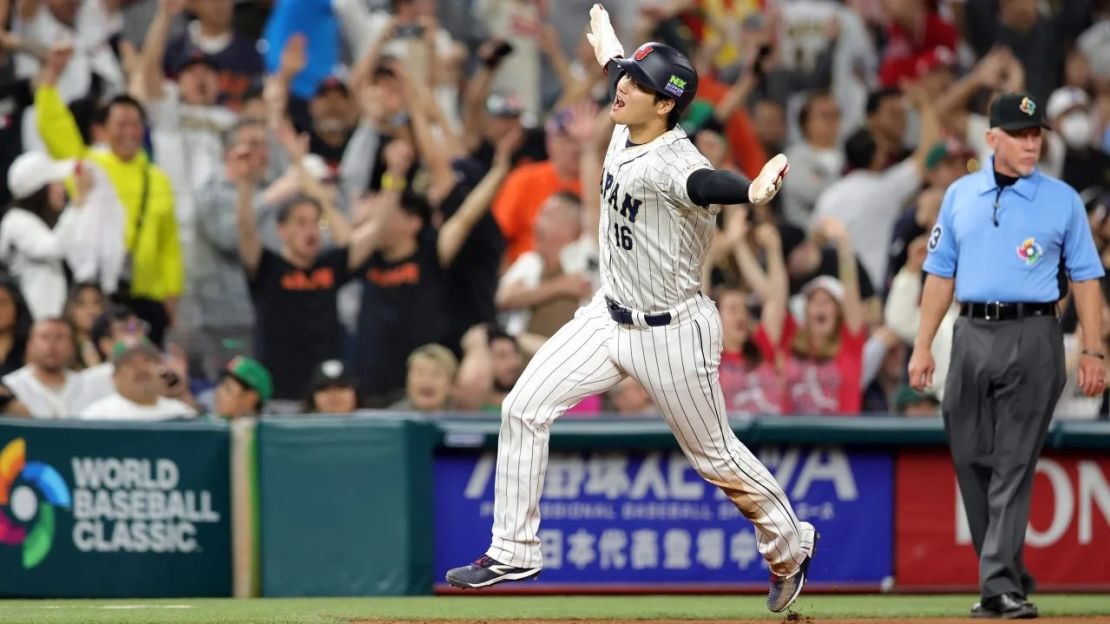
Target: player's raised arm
pixel 708 186
pixel 606 45
pixel 602 36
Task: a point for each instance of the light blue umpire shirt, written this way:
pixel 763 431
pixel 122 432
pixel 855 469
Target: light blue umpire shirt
pixel 1011 252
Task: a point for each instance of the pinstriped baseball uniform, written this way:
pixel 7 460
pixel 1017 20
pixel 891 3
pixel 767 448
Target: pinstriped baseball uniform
pixel 653 242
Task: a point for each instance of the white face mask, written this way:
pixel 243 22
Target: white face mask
pixel 1076 129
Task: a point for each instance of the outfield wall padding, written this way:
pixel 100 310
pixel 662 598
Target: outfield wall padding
pixel 345 505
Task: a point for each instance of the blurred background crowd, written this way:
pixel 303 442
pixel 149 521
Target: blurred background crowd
pixel 222 207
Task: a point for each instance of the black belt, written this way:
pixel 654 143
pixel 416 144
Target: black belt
pixel 997 311
pixel 623 315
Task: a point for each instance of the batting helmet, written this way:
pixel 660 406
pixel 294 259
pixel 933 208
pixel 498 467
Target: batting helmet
pixel 664 70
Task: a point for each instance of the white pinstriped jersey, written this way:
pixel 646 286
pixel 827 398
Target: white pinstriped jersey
pixel 653 239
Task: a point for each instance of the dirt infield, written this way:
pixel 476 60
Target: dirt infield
pixel 794 619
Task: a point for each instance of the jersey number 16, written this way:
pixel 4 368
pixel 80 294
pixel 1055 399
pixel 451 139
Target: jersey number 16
pixel 622 236
pixel 629 208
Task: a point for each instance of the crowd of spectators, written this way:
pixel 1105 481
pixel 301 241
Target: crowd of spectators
pixel 232 207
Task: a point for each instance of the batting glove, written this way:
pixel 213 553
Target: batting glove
pixel 767 184
pixel 602 37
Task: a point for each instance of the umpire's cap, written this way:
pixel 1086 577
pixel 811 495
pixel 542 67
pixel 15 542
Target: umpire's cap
pixel 663 69
pixel 1016 111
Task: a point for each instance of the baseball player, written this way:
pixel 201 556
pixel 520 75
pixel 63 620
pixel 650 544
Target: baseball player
pixel 649 321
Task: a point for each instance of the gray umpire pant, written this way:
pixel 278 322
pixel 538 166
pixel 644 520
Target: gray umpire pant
pixel 1003 384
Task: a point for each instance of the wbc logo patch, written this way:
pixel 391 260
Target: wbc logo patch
pixel 1030 251
pixel 1027 106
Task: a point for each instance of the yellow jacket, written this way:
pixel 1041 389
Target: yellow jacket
pixel 158 272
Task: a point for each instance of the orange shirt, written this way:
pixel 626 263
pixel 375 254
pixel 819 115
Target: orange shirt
pixel 519 201
pixel 747 153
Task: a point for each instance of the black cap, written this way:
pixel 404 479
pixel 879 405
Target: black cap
pixel 198 58
pixel 331 373
pixel 1016 111
pixel 664 70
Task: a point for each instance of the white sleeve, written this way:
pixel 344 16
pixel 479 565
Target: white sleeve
pixel 358 160
pixel 97 252
pixel 902 314
pixel 976 137
pixel 874 352
pixel 29 131
pixel 27 65
pixel 899 183
pixel 30 239
pixel 67 230
pixel 673 165
pixel 528 269
pixel 15 382
pixel 163 112
pixel 360 27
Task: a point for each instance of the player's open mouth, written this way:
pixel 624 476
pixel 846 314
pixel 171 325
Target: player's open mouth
pixel 618 103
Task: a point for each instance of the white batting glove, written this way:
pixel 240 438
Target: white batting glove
pixel 602 36
pixel 767 184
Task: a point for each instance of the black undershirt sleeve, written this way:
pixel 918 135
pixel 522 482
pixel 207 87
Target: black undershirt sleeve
pixel 709 186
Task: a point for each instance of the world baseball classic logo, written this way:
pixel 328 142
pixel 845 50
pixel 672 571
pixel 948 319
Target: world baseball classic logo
pixel 29 492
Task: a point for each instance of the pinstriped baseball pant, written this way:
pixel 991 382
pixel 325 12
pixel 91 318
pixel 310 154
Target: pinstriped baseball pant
pixel 677 365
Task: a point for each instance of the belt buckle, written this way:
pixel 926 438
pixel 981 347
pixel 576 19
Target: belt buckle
pixel 992 310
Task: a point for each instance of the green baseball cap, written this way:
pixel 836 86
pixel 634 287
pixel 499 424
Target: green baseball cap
pixel 948 148
pixel 253 375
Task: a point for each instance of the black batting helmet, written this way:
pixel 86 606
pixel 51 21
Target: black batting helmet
pixel 664 70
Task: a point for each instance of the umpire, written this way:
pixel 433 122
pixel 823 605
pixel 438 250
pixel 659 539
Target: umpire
pixel 1003 236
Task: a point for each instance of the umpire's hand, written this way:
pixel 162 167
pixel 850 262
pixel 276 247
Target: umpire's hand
pixel 921 369
pixel 1092 375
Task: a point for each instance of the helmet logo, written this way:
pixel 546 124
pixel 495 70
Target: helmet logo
pixel 642 53
pixel 675 86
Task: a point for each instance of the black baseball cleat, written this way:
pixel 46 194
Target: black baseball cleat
pixel 487 571
pixel 785 589
pixel 1004 607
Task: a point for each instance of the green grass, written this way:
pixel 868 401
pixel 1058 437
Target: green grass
pixel 344 610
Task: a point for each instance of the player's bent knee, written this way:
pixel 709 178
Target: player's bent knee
pixel 525 405
pixel 514 404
